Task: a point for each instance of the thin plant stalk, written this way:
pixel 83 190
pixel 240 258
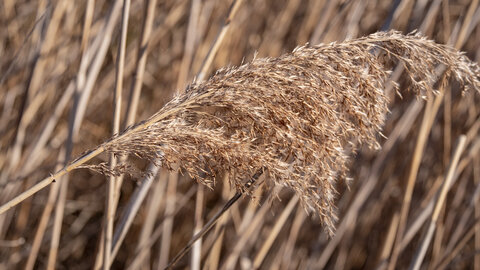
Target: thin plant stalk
pixel 190 45
pixel 136 86
pixel 156 202
pixel 207 63
pixel 426 125
pixel 282 219
pixel 420 254
pixel 476 173
pixel 155 235
pixel 132 207
pixel 42 225
pixel 427 211
pixel 87 23
pixel 245 234
pixel 458 248
pixel 167 225
pixel 213 220
pixel 111 190
pixel 214 254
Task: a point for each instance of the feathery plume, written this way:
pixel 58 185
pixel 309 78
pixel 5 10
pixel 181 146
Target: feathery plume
pixel 298 116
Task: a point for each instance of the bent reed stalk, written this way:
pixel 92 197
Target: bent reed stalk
pixel 299 116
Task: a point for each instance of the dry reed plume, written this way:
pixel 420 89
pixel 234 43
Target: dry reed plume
pixel 298 116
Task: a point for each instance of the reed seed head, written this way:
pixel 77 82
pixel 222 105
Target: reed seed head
pixel 298 116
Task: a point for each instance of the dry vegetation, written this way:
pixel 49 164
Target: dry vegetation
pixel 74 73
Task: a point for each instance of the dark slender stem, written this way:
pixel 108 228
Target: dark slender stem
pixel 214 220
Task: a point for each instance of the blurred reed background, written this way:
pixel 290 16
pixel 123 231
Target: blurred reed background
pixel 59 67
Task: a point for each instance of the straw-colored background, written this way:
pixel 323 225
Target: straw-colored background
pixel 58 64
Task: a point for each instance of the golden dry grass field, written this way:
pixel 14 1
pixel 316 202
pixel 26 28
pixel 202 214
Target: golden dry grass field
pixel 239 134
